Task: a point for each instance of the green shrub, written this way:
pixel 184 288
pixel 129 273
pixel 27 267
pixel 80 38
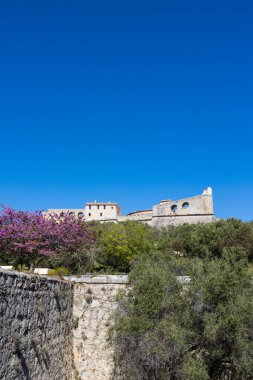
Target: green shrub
pixel 60 271
pixel 165 330
pixel 21 268
pixel 119 244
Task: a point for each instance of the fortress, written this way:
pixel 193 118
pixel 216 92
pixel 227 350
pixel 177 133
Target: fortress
pixel 58 328
pixel 197 209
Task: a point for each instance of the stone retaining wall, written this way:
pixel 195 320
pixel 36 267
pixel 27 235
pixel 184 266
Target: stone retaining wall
pixel 94 303
pixel 56 329
pixel 35 327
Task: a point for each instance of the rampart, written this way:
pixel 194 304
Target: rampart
pixel 198 209
pixel 35 327
pixel 56 329
pixel 94 303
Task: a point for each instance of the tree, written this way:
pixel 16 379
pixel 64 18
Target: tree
pixel 203 330
pixel 220 315
pixel 119 244
pixel 28 238
pixel 74 242
pixel 209 240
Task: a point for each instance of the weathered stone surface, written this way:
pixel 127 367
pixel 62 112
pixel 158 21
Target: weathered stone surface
pixel 94 304
pixel 46 323
pixel 35 327
pixel 99 279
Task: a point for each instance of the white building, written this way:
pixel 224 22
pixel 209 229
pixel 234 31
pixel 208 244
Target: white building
pixel 100 211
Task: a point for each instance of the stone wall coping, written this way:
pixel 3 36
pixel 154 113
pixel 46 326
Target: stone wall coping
pixel 15 273
pixel 99 279
pixel 111 279
pixel 86 278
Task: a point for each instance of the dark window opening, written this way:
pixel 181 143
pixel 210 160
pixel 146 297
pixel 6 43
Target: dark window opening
pixel 98 207
pixel 89 214
pixel 185 205
pixel 90 207
pixel 101 214
pixel 80 214
pixel 104 207
pixel 174 208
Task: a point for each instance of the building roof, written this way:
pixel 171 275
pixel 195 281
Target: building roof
pixel 139 211
pixel 102 203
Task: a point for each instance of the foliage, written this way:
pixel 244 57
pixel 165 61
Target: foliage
pixel 119 244
pixel 28 238
pixel 59 271
pixel 202 330
pixel 209 240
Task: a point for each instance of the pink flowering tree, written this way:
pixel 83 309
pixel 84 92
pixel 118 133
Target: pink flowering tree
pixel 73 241
pixel 28 238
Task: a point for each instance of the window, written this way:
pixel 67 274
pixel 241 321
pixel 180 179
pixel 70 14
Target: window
pixel 101 214
pixel 98 207
pixel 89 214
pixel 80 214
pixel 174 208
pixel 89 206
pixel 112 207
pixel 185 205
pixel 104 207
pixel 72 213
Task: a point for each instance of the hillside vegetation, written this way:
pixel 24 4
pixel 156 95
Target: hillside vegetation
pixel 164 329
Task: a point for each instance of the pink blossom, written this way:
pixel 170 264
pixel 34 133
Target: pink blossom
pixel 31 236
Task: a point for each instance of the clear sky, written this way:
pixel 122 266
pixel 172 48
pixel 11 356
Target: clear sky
pixel 127 101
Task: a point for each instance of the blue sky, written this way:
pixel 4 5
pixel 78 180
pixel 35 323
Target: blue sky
pixel 127 101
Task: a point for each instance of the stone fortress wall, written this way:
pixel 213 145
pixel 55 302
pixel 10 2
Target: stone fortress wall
pixel 35 327
pixel 197 209
pixel 57 330
pixel 95 300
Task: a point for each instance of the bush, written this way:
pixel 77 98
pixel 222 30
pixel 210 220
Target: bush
pixel 209 240
pixel 60 271
pixel 119 244
pixel 203 330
